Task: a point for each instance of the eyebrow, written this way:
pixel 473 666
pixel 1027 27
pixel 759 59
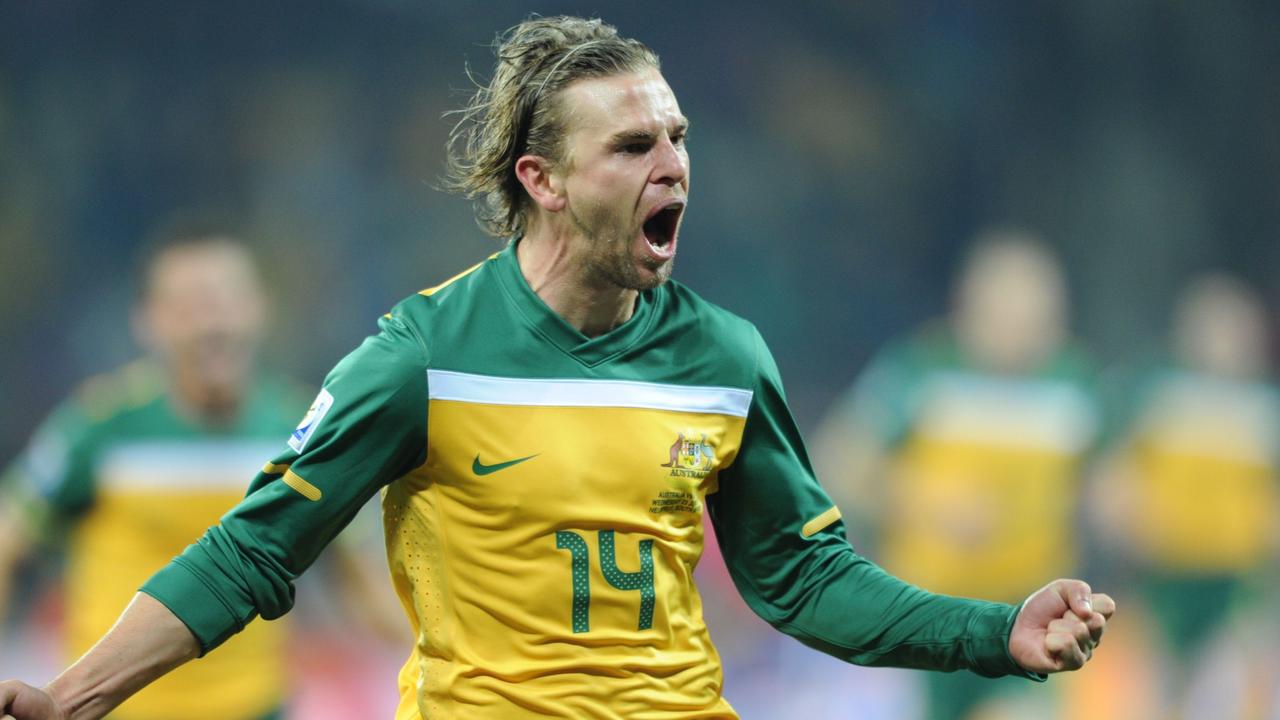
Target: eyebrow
pixel 627 136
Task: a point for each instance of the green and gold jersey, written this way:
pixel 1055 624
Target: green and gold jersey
pixel 1204 457
pixel 543 505
pixel 123 482
pixel 983 471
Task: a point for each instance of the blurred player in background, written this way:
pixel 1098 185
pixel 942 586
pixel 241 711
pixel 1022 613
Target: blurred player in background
pixel 1189 499
pixel 958 452
pixel 126 472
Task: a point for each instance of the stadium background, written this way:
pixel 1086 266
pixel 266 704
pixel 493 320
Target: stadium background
pixel 844 155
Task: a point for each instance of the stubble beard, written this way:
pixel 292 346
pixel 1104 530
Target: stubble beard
pixel 610 260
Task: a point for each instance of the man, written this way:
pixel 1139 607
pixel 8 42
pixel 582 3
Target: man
pixel 522 417
pixel 962 446
pixel 1192 488
pixel 126 472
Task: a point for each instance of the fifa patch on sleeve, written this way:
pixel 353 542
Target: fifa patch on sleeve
pixel 298 440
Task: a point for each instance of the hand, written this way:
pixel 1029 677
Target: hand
pixel 19 701
pixel 1059 626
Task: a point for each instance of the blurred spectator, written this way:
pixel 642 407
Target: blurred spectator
pixel 957 455
pixel 1188 501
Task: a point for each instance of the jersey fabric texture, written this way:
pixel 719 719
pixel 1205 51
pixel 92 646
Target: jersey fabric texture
pixel 543 511
pixel 123 482
pixel 983 470
pixel 1204 454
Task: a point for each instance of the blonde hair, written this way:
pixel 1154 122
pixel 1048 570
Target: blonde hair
pixel 518 112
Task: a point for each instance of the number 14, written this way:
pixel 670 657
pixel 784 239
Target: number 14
pixel 641 580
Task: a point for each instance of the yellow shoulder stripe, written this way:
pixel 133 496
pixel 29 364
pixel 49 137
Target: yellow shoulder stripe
pixel 433 290
pixel 307 490
pixel 274 468
pixel 820 522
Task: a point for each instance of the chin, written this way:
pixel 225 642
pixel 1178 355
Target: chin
pixel 649 277
pixel 635 274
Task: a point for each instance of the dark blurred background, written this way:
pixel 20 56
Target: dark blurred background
pixel 844 156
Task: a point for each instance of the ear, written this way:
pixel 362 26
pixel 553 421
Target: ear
pixel 539 178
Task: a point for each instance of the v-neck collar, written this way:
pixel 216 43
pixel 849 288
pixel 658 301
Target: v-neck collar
pixel 586 350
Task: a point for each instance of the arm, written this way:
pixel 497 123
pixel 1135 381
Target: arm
pixel 367 599
pixel 146 642
pixel 45 488
pixel 372 431
pixel 853 445
pixel 784 544
pixel 15 545
pixel 847 454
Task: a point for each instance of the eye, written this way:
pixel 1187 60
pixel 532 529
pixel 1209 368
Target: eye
pixel 635 148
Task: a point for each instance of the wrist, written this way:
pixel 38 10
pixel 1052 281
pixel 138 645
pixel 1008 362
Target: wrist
pixel 73 699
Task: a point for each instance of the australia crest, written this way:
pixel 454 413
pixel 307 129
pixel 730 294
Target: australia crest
pixel 691 458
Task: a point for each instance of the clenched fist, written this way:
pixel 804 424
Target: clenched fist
pixel 1059 626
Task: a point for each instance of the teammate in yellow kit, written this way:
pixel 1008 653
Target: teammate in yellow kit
pixel 961 448
pixel 1189 502
pixel 138 462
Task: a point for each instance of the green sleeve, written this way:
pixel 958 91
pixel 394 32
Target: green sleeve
pixel 52 480
pixel 809 583
pixel 370 431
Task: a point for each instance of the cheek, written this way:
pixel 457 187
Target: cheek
pixel 600 204
pixel 620 180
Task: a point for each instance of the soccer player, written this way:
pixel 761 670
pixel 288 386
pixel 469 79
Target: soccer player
pixel 549 427
pixel 1193 486
pixel 124 474
pixel 961 446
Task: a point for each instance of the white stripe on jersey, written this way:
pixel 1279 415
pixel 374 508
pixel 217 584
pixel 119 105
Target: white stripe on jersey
pixel 582 392
pixel 184 465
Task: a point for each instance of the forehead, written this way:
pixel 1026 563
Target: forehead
pixel 199 265
pixel 606 105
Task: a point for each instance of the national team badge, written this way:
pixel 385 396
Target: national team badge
pixel 691 458
pixel 319 408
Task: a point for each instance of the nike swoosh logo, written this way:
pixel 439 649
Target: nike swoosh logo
pixel 480 468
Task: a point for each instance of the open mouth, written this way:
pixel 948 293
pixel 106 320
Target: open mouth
pixel 660 227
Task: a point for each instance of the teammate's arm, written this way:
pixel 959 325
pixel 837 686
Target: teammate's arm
pixel 784 545
pixel 48 484
pixel 15 544
pixel 851 448
pixel 368 428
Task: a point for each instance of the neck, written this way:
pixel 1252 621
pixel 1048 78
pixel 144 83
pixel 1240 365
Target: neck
pixel 564 282
pixel 203 402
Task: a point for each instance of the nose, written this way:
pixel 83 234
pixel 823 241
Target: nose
pixel 671 166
